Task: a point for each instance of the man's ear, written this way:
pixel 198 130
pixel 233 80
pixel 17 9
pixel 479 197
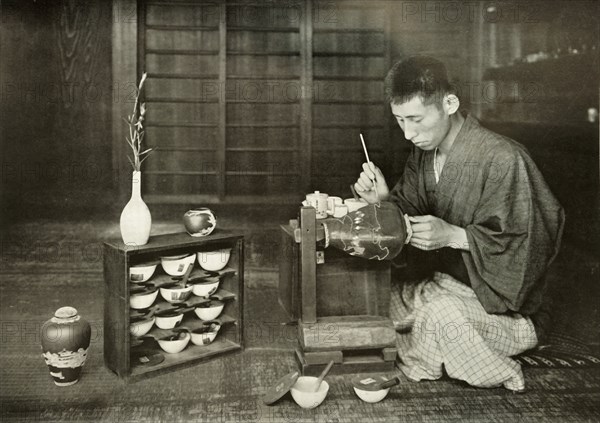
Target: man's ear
pixel 451 103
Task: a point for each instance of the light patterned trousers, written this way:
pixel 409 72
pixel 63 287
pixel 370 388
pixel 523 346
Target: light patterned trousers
pixel 440 322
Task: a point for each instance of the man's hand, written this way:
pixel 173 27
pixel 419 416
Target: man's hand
pixel 432 233
pixel 364 185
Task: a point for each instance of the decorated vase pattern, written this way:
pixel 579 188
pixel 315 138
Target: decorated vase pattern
pixel 199 222
pixel 65 342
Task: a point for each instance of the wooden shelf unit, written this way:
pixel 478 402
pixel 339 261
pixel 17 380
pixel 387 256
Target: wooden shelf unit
pixel 120 347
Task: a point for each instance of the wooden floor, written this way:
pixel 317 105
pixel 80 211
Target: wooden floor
pixel 48 264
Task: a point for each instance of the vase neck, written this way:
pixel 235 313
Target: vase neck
pixel 136 184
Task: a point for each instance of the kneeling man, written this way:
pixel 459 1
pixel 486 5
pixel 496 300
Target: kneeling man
pixel 485 224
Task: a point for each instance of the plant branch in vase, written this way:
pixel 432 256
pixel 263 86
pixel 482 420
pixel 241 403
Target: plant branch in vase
pixel 136 221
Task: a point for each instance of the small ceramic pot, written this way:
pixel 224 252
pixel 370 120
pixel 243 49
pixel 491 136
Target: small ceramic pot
pixel 199 222
pixel 317 200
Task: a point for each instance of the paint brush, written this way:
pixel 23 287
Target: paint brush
pixel 362 140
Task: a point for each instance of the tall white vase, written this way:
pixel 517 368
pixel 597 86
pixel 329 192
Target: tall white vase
pixel 136 220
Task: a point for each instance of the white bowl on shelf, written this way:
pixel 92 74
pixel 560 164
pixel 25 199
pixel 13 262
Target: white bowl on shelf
pixel 214 260
pixel 209 310
pixel 168 319
pixel 176 294
pixel 205 287
pixel 303 392
pixel 176 343
pixel 139 274
pixel 205 335
pixel 141 326
pixel 142 299
pixel 177 265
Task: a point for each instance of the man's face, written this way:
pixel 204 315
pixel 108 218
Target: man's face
pixel 426 126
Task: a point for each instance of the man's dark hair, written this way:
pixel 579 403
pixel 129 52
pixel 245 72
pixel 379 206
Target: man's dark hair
pixel 417 76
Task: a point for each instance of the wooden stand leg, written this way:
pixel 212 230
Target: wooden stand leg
pixel 312 358
pixel 389 354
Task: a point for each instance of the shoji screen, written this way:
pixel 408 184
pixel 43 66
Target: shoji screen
pixel 258 101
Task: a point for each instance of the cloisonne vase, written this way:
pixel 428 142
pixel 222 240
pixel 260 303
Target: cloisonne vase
pixel 136 220
pixel 375 232
pixel 65 343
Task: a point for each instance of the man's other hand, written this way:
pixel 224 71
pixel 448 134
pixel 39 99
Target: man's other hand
pixel 432 233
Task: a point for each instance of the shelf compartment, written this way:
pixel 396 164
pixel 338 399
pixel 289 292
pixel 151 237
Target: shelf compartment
pixel 160 304
pixel 191 322
pixel 165 279
pixel 190 355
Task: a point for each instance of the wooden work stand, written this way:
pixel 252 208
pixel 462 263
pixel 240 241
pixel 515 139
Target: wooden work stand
pixel 341 303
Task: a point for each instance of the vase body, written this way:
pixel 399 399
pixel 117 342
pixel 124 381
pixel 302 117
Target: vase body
pixel 65 343
pixel 375 232
pixel 136 220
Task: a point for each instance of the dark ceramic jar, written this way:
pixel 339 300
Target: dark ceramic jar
pixel 65 342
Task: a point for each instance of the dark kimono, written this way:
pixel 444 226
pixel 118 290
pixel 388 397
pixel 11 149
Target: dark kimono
pixel 491 187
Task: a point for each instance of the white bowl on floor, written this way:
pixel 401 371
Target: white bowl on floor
pixel 303 392
pixel 371 396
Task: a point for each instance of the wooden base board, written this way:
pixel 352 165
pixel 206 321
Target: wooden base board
pixel 368 363
pixel 342 333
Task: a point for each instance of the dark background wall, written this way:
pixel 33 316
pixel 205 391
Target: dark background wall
pixel 56 98
pixel 58 93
